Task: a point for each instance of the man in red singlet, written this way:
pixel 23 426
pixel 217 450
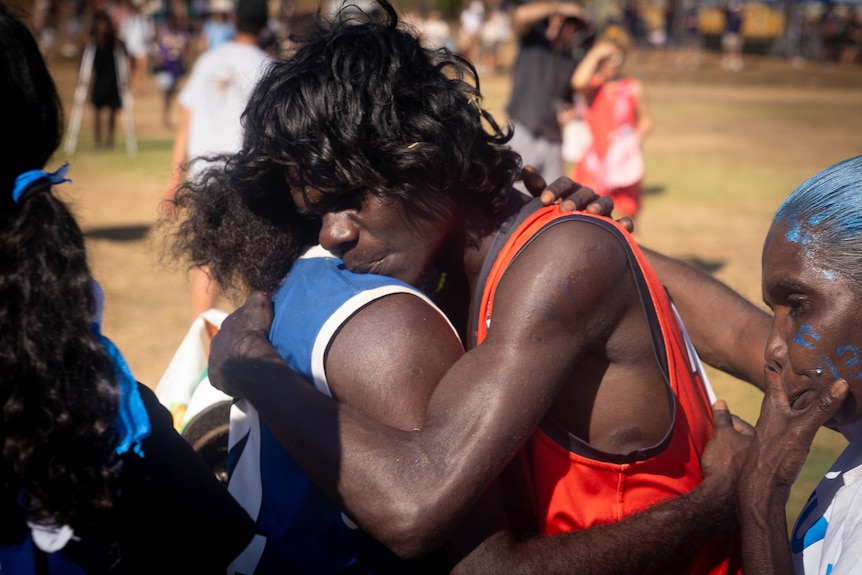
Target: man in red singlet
pixel 583 368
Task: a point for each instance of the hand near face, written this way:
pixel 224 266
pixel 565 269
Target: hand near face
pixel 242 340
pixel 726 451
pixel 571 196
pixel 784 433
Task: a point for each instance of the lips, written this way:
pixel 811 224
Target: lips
pixel 372 267
pixel 802 399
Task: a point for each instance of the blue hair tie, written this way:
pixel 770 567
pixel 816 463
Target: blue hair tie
pixel 132 422
pixel 27 179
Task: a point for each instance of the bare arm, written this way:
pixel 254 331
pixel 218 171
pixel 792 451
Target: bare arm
pixel 411 488
pixel 527 15
pixel 179 155
pixel 583 75
pixel 642 111
pixel 382 365
pixel 652 541
pixel 728 331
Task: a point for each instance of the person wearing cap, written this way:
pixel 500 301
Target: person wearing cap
pixel 549 34
pixel 219 26
pixel 211 104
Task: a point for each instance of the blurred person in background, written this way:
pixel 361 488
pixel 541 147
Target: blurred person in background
pixel 619 120
pixel 211 104
pixel 105 96
pixel 219 26
pixel 137 32
pixel 731 38
pixel 172 46
pixel 470 30
pixel 550 35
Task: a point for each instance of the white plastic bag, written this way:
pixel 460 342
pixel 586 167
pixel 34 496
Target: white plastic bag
pixel 185 388
pixel 577 138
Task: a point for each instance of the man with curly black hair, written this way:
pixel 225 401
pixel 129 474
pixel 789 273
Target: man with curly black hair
pixel 381 150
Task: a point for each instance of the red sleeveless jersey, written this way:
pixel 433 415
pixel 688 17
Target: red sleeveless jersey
pixel 562 483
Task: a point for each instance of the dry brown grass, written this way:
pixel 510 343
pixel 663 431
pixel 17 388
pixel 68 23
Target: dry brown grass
pixel 726 149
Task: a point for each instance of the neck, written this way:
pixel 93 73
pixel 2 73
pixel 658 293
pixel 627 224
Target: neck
pixel 476 247
pixel 462 258
pixel 245 38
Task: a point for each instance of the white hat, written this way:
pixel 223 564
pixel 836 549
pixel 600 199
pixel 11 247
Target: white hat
pixel 222 6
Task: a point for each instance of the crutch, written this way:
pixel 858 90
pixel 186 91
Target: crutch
pixel 126 99
pixel 80 97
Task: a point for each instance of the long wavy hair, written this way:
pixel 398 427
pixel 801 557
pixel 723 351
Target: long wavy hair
pixel 360 106
pixel 57 393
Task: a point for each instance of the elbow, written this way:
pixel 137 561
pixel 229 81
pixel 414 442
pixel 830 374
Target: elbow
pixel 411 528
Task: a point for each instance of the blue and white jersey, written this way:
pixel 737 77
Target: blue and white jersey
pixel 300 530
pixel 827 537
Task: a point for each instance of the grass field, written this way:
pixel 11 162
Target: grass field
pixel 726 149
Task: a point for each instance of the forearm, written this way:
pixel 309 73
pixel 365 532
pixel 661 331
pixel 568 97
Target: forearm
pixel 407 489
pixel 179 155
pixel 763 531
pixel 585 71
pixel 648 542
pixel 728 331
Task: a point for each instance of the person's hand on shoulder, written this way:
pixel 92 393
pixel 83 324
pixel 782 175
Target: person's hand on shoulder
pixel 570 196
pixel 242 341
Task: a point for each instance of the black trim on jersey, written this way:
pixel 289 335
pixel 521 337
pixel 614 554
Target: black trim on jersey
pixel 554 430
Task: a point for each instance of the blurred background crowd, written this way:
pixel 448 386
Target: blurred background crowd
pixel 829 32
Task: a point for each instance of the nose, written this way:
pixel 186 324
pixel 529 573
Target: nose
pixel 338 233
pixel 775 351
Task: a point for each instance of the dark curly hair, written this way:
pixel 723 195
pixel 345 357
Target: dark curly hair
pixel 360 106
pixel 57 392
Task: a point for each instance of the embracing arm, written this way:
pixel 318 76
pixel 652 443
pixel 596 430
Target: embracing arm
pixel 728 331
pixel 651 541
pixel 409 489
pixel 648 542
pixel 381 367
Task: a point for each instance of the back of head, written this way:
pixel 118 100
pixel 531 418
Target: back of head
pixel 825 213
pixel 361 105
pixel 57 396
pixel 251 16
pixel 616 35
pixel 28 102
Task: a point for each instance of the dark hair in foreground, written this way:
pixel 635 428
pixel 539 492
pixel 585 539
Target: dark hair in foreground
pixel 360 107
pixel 57 392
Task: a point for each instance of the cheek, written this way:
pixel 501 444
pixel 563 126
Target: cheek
pixel 836 356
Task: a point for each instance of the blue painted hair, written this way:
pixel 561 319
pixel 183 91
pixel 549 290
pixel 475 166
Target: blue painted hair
pixel 825 215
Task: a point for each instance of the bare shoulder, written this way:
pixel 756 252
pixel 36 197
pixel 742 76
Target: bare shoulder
pixel 577 245
pixel 388 357
pixel 573 273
